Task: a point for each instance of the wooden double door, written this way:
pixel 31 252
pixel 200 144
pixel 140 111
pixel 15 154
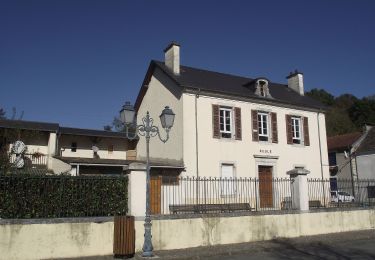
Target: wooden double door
pixel 265 186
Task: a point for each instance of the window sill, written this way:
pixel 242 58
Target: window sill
pixel 298 145
pixel 227 139
pixel 266 142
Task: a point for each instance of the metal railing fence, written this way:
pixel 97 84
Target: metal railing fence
pixel 341 193
pixel 32 159
pixel 175 195
pixel 41 196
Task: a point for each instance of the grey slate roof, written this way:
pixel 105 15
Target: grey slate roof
pixel 29 125
pixel 91 132
pixel 80 160
pixel 54 127
pixel 367 146
pixel 227 84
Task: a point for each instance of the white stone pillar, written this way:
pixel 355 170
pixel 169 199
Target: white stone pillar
pixel 137 189
pixel 300 192
pixel 51 149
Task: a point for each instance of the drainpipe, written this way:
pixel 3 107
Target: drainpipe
pixel 321 160
pixel 196 143
pixel 320 148
pixel 196 134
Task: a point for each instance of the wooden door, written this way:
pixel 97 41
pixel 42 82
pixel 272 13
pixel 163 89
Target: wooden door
pixel 155 193
pixel 265 187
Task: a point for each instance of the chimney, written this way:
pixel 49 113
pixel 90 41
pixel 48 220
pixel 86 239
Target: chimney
pixel 295 82
pixel 172 57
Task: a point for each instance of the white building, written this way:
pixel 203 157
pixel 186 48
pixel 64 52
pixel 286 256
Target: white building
pixel 74 150
pixel 232 126
pixel 352 156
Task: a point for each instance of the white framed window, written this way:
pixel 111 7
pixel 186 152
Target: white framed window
pixel 263 126
pixel 262 91
pixel 226 124
pixel 227 183
pixel 296 130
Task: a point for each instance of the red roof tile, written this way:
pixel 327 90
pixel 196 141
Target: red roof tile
pixel 342 141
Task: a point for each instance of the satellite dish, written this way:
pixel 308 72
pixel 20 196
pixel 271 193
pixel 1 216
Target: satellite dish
pixel 19 162
pixel 19 147
pixel 95 149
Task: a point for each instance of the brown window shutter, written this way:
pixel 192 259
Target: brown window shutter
pixel 216 121
pixel 254 117
pixel 274 127
pixel 306 136
pixel 289 129
pixel 237 116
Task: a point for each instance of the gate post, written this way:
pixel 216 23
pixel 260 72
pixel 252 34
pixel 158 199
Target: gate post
pixel 300 193
pixel 137 189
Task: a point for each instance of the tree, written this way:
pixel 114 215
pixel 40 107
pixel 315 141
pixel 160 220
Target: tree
pixel 2 114
pixel 362 112
pixel 107 128
pixel 322 96
pixel 345 101
pixel 339 122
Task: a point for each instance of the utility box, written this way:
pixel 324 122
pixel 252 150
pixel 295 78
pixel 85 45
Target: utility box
pixel 124 236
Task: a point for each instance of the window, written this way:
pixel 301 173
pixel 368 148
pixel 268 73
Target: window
pixel 226 122
pixel 227 183
pixel 263 126
pixel 296 128
pixel 332 159
pixel 261 88
pixel 73 147
pixel 262 92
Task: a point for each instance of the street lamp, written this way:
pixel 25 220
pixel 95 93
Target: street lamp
pixel 148 130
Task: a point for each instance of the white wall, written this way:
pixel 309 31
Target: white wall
pixel 55 240
pixel 192 232
pixel 84 147
pixel 154 101
pixel 343 165
pixel 213 152
pixel 77 238
pixel 36 142
pixel 366 166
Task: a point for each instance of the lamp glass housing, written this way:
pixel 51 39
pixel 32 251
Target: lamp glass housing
pixel 127 113
pixel 167 118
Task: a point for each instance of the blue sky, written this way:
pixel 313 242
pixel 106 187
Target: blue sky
pixel 76 62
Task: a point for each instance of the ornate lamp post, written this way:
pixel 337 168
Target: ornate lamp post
pixel 147 129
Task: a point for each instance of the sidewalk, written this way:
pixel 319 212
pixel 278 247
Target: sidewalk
pixel 348 245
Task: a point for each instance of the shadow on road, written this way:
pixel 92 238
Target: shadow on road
pixel 317 250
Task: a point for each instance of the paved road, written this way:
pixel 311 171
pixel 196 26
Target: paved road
pixel 348 245
pixel 357 249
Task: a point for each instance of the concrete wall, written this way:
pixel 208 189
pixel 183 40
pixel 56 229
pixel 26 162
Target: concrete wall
pixel 46 239
pixel 193 232
pixel 58 166
pixel 282 156
pixel 156 98
pixel 55 240
pixel 366 166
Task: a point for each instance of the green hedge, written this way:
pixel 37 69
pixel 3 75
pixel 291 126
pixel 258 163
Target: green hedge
pixel 31 196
